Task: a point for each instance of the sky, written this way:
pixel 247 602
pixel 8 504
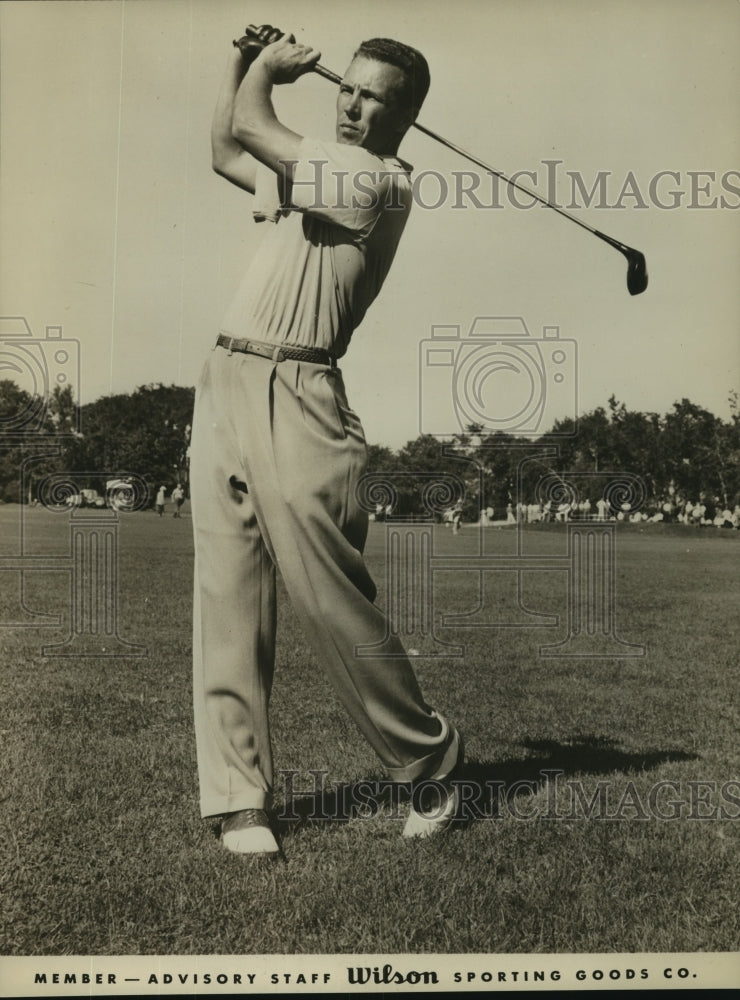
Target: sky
pixel 115 228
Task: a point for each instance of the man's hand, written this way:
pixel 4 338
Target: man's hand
pixel 255 125
pixel 262 57
pixel 285 60
pixel 253 42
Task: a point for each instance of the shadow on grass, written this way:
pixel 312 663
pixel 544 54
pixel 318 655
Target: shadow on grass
pixel 487 789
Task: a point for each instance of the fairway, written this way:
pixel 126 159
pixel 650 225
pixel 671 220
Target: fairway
pixel 602 792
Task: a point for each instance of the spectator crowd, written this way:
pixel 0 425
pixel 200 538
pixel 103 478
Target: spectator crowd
pixel 671 510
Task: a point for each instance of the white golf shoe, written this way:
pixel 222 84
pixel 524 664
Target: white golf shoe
pixel 435 802
pixel 435 812
pixel 248 832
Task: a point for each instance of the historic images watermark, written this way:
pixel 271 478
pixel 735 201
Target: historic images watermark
pixel 33 435
pixel 549 795
pixel 586 571
pixel 496 390
pixel 38 366
pixel 458 190
pixel 498 377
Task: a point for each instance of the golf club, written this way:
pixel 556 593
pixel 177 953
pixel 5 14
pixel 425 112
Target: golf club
pixel 637 277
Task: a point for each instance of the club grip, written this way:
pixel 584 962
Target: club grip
pixel 254 32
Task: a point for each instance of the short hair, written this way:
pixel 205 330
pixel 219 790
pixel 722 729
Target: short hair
pixel 410 61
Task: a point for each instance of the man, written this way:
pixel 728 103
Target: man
pixel 159 502
pixel 456 516
pixel 276 451
pixel 178 498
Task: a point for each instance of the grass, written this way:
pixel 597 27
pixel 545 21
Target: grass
pixel 104 852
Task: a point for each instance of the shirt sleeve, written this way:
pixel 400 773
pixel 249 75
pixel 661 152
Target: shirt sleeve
pixel 266 206
pixel 340 184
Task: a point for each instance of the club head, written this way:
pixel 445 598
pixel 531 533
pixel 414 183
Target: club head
pixel 637 276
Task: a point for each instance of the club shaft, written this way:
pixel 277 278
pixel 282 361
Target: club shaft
pixel 498 173
pixel 328 75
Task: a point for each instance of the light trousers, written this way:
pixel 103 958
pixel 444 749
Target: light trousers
pixel 275 457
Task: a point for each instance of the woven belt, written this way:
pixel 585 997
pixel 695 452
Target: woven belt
pixel 276 352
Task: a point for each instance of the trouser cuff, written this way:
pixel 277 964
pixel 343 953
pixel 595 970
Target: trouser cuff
pixel 222 805
pixel 435 766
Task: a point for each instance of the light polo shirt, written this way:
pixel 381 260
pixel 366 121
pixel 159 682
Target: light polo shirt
pixel 326 254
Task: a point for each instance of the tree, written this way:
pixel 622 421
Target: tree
pixel 728 454
pixel 430 464
pixel 380 459
pixel 635 440
pixel 146 433
pixel 692 451
pixel 16 410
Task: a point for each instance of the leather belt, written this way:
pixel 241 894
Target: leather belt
pixel 276 352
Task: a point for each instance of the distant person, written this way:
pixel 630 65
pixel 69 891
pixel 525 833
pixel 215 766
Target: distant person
pixel 724 519
pixel 563 511
pixel 159 502
pixel 456 517
pixel 178 498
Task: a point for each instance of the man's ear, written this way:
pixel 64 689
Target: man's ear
pixel 406 121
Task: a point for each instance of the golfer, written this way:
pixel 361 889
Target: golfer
pixel 276 449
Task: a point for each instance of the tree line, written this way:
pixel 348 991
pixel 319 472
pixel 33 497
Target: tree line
pixel 686 453
pixel 643 459
pixel 145 433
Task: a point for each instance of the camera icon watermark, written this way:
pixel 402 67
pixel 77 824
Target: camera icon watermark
pixel 500 582
pixel 38 365
pixel 90 563
pixel 39 418
pixel 498 378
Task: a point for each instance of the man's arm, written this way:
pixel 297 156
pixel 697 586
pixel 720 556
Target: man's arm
pixel 229 159
pixel 255 126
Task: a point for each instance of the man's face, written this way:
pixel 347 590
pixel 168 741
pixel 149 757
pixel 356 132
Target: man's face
pixel 369 113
